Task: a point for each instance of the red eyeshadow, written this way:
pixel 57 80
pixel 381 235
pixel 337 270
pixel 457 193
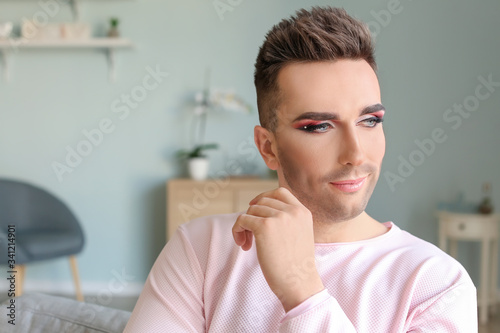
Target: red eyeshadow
pixel 379 114
pixel 307 123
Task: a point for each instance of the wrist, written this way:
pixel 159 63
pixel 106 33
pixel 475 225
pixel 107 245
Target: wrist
pixel 301 294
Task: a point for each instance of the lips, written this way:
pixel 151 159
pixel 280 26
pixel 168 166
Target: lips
pixel 355 181
pixel 349 185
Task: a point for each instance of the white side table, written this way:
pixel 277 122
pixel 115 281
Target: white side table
pixel 475 227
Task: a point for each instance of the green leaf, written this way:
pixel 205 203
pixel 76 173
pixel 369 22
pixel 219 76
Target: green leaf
pixel 197 151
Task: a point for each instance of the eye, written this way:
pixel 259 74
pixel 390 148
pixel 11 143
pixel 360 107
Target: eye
pixel 372 121
pixel 316 128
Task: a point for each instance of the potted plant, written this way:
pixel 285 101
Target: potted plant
pixel 113 30
pixel 197 162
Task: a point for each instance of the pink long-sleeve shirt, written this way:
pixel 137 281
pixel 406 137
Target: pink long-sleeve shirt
pixel 203 282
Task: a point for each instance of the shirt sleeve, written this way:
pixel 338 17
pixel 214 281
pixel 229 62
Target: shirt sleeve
pixel 319 313
pixel 454 310
pixel 171 300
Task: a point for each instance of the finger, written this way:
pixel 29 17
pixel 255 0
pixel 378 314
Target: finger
pixel 281 193
pixel 239 237
pixel 238 233
pixel 266 209
pixel 244 239
pixel 286 195
pixel 246 222
pixel 243 223
pixel 263 194
pixel 271 203
pixel 249 238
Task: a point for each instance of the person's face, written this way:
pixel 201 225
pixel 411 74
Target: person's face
pixel 328 131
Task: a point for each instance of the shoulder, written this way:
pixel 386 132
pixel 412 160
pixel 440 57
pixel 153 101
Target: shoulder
pixel 208 236
pixel 420 248
pixel 209 226
pixel 430 267
pixel 438 286
pixel 421 251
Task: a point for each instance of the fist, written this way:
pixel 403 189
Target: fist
pixel 284 240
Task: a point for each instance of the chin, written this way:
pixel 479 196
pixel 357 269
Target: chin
pixel 349 215
pixel 344 210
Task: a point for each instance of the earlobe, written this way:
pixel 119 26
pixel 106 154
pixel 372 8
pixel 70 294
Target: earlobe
pixel 266 143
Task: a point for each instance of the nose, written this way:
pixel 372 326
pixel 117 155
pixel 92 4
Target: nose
pixel 351 151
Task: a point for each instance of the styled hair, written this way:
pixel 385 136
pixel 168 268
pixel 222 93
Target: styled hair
pixel 321 34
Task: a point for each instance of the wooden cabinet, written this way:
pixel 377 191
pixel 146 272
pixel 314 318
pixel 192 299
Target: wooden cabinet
pixel 188 199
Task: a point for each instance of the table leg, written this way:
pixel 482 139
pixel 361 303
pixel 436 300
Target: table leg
pixel 485 260
pixel 494 276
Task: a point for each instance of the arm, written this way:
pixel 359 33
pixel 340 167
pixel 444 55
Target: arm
pixel 319 313
pixel 284 238
pixel 171 300
pixel 284 244
pixel 454 310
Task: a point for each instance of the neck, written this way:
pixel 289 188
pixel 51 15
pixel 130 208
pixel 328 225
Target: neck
pixel 359 228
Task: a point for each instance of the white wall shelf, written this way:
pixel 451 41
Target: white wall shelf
pixel 108 45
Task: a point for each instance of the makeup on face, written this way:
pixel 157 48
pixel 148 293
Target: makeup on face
pixel 333 167
pixel 319 122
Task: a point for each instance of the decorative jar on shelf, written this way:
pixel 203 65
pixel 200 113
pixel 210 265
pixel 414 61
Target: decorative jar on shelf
pixel 113 30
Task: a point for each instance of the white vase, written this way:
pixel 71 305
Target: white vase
pixel 198 168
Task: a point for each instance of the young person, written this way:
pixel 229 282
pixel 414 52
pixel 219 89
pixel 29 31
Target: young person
pixel 306 257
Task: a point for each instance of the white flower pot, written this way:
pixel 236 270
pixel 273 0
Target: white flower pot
pixel 198 168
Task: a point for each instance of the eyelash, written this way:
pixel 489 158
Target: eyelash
pixel 312 128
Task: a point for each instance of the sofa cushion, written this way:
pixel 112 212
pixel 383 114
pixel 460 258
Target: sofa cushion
pixel 39 313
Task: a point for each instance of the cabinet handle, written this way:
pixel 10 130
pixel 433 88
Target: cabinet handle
pixel 461 226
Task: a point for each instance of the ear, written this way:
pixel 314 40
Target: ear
pixel 266 143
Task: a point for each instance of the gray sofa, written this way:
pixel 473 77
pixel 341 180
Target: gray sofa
pixel 39 313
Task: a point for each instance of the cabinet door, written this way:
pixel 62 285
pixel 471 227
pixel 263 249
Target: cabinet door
pixel 243 197
pixel 187 204
pixel 246 192
pixel 189 199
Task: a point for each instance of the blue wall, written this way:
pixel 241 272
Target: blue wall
pixel 430 55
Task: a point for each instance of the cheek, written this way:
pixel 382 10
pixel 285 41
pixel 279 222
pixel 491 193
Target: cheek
pixel 376 146
pixel 298 154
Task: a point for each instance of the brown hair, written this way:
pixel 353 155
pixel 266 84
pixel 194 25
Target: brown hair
pixel 321 34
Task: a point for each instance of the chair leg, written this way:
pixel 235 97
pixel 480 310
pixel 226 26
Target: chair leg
pixel 20 269
pixel 76 278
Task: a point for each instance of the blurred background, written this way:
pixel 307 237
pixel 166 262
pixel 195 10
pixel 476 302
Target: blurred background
pixel 439 75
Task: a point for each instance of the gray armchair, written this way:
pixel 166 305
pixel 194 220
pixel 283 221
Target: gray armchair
pixel 45 228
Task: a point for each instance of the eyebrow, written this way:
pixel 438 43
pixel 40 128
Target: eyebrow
pixel 334 116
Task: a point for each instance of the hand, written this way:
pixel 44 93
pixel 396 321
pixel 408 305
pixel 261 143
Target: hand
pixel 284 237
